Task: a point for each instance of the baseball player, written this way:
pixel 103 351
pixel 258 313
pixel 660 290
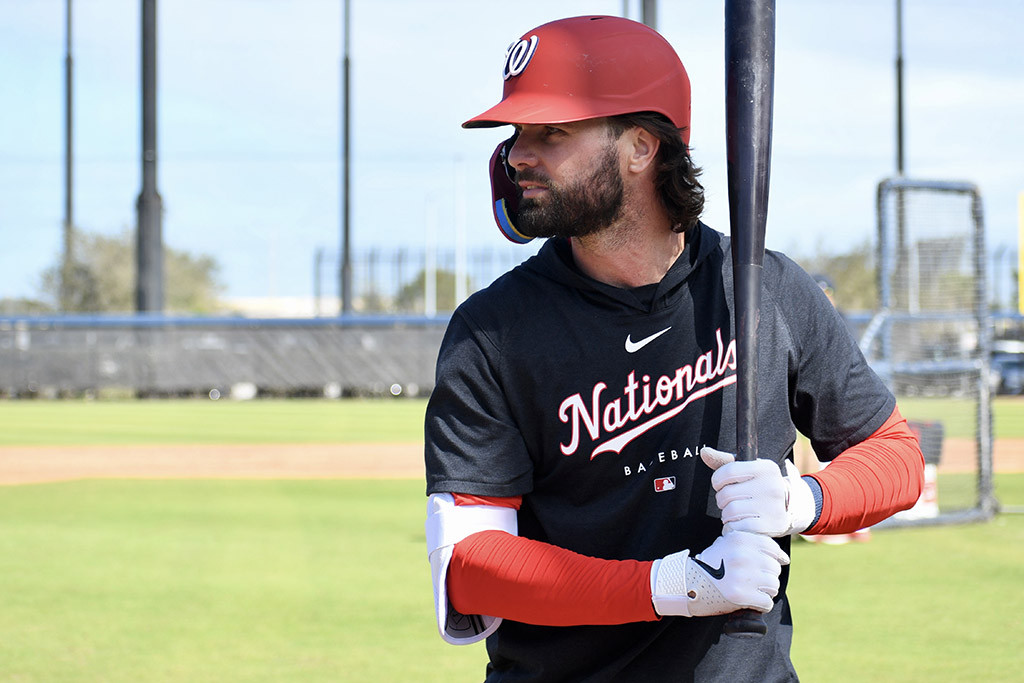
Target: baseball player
pixel 585 514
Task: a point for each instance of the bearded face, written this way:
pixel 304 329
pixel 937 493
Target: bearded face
pixel 583 207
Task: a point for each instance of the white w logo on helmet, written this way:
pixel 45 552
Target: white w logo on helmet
pixel 518 56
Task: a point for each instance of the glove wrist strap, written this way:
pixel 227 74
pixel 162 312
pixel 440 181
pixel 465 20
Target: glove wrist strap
pixel 668 585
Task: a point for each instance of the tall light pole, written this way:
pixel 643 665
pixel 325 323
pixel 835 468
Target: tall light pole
pixel 899 87
pixel 346 212
pixel 649 13
pixel 901 209
pixel 149 290
pixel 69 216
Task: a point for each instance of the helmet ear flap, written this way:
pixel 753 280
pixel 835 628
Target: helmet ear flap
pixel 505 193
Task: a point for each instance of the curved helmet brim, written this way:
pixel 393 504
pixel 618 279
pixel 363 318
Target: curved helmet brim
pixel 532 109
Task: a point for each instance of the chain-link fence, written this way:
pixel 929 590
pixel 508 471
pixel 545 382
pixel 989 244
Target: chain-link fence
pixel 157 356
pixel 412 281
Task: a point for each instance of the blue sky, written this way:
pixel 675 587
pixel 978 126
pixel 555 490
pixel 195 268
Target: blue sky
pixel 249 121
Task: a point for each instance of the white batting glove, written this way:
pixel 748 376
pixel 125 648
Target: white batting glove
pixel 754 496
pixel 738 571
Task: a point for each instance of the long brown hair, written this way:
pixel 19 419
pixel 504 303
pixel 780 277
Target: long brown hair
pixel 676 179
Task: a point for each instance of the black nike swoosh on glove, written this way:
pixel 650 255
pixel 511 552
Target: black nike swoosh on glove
pixel 716 574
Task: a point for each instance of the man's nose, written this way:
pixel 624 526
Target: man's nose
pixel 521 155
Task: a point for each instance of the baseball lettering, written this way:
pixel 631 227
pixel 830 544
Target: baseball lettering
pixel 661 458
pixel 638 401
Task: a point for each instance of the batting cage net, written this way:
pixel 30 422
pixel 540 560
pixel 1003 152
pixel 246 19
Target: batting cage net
pixel 931 340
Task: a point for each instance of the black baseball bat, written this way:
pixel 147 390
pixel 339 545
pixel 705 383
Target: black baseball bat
pixel 749 87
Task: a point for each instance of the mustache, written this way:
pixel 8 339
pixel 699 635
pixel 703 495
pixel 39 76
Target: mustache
pixel 529 175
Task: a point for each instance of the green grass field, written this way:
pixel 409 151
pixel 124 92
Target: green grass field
pixel 957 415
pixel 316 421
pixel 200 421
pixel 327 580
pixel 219 581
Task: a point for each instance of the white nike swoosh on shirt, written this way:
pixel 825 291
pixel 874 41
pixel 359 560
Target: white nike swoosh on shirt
pixel 634 346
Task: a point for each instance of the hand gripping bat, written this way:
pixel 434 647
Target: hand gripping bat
pixel 749 86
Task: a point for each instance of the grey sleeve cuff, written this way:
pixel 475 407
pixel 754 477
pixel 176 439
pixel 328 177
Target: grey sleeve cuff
pixel 818 497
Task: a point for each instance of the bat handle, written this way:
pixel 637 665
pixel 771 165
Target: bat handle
pixel 745 623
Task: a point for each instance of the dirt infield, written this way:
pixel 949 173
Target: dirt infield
pixel 28 464
pixel 31 464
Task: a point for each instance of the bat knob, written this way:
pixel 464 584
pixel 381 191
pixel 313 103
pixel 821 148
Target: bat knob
pixel 745 623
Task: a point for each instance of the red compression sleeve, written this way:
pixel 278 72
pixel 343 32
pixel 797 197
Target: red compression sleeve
pixel 501 575
pixel 498 574
pixel 872 480
pixel 502 502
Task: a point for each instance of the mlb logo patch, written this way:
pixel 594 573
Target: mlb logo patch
pixel 664 484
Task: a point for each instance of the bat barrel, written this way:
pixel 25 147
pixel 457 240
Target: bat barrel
pixel 749 87
pixel 747 283
pixel 750 63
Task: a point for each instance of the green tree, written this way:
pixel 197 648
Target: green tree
pixel 101 279
pixel 23 306
pixel 412 297
pixel 852 273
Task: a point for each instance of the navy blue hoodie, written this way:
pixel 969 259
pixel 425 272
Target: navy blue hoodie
pixel 592 403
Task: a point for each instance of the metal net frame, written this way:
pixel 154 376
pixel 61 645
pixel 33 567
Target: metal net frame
pixel 931 339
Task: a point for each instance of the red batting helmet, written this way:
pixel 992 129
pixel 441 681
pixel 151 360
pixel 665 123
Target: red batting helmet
pixel 590 67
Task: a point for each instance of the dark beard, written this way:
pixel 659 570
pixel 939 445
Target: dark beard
pixel 580 209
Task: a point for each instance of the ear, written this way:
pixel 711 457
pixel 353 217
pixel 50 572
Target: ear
pixel 643 149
